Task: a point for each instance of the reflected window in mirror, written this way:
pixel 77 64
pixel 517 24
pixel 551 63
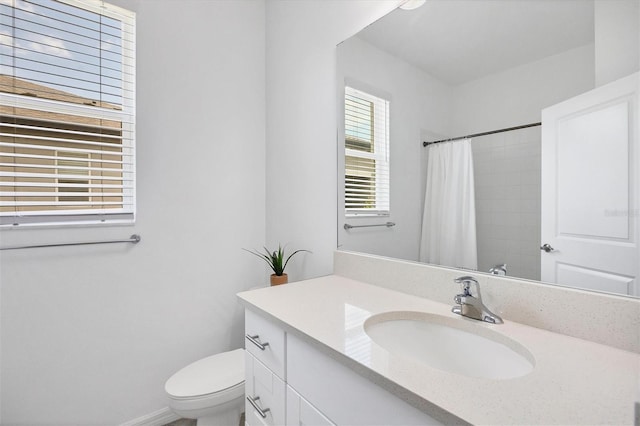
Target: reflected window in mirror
pixel 366 154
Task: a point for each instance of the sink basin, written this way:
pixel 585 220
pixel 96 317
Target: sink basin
pixel 453 345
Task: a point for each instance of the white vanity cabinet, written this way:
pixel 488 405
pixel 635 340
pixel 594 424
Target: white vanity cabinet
pixel 290 382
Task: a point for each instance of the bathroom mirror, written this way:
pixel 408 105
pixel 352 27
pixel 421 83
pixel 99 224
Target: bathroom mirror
pixel 460 67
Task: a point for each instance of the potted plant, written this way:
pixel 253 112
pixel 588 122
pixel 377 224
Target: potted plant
pixel 277 262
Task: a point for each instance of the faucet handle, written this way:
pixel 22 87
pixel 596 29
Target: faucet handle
pixel 465 278
pixel 466 284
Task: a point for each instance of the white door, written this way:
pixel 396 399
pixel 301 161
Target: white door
pixel 590 187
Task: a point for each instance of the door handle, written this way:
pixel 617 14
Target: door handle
pixel 547 248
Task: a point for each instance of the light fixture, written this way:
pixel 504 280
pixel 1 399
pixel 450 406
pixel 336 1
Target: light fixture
pixel 412 4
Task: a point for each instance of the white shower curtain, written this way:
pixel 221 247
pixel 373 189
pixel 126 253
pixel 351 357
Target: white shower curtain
pixel 449 218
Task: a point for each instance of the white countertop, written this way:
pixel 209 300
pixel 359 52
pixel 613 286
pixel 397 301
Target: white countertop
pixel 574 381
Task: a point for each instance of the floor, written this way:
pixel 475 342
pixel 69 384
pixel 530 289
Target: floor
pixel 182 422
pixel 190 422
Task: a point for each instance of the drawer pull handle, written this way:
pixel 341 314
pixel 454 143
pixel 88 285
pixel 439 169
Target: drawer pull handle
pixel 260 411
pixel 255 341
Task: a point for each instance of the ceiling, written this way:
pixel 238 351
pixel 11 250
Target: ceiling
pixel 457 41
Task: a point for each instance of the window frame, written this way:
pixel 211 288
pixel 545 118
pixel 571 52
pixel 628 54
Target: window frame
pixel 380 154
pixel 88 216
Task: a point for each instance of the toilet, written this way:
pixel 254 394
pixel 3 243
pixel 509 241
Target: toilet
pixel 210 390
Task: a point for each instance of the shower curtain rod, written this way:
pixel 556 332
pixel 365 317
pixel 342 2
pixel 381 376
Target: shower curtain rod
pixel 508 129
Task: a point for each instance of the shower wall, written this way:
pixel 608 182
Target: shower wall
pixel 507 184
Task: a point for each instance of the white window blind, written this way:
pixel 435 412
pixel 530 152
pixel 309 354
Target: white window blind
pixel 367 189
pixel 67 112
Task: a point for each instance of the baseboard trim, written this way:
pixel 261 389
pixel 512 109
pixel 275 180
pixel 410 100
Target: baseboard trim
pixel 157 418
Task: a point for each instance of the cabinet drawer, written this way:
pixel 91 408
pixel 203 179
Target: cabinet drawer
pixel 300 411
pixel 267 391
pixel 265 341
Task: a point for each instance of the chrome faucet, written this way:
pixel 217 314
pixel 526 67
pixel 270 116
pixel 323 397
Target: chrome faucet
pixel 499 269
pixel 470 306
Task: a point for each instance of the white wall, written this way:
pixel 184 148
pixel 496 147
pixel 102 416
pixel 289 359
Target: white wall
pixel 419 103
pixel 518 95
pixel 89 335
pixel 617 46
pixel 301 122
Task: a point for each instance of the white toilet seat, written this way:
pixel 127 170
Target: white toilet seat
pixel 209 382
pixel 204 402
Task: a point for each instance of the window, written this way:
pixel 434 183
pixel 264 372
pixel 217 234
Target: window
pixel 366 154
pixel 67 113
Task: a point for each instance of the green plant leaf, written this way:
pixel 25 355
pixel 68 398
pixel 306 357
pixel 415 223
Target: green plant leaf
pixel 275 259
pixel 291 255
